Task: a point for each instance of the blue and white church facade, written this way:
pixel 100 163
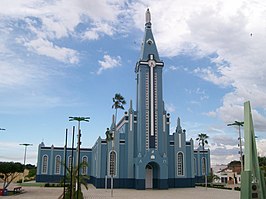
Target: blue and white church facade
pixel 144 154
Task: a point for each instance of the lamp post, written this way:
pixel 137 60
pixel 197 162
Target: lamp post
pixel 237 123
pixel 2 129
pixel 79 119
pixel 26 145
pixel 108 138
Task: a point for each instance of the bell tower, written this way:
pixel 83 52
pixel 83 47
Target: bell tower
pixel 150 108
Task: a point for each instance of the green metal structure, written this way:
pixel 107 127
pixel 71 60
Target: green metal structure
pixel 252 178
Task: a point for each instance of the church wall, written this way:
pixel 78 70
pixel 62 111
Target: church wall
pixel 198 155
pixel 52 152
pixel 159 91
pixel 141 132
pixel 129 144
pixel 171 161
pixel 189 164
pixel 180 146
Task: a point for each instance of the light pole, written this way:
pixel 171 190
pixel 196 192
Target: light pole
pixel 26 145
pixel 108 138
pixel 79 119
pixel 2 129
pixel 237 123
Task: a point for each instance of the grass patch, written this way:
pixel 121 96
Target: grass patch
pixel 32 184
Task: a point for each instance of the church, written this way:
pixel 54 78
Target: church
pixel 144 154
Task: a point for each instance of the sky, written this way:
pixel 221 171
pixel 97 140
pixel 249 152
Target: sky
pixel 61 58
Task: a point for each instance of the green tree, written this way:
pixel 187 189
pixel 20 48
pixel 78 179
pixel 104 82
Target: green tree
pixel 262 161
pixel 9 171
pixel 32 171
pixel 202 139
pixel 83 179
pixel 118 101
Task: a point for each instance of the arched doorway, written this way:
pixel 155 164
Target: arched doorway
pixel 149 177
pixel 152 175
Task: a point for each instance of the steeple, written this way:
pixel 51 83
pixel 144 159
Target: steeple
pixel 148 45
pixel 149 92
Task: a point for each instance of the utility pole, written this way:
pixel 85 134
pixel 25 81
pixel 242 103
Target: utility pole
pixel 79 119
pixel 25 154
pixel 237 123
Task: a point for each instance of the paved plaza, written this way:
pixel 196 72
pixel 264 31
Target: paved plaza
pixel 92 193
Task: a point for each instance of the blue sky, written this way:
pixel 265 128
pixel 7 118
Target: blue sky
pixel 68 58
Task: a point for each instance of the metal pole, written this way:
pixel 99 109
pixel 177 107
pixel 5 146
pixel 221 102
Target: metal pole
pixel 86 119
pixel 25 153
pixel 206 180
pixel 241 152
pixel 78 162
pixel 237 123
pixel 113 153
pixel 112 174
pixel 65 165
pixel 71 169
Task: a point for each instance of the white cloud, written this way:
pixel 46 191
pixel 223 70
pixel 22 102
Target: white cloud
pixel 208 74
pixel 261 146
pixel 108 62
pixel 42 24
pixel 13 151
pixel 170 108
pixel 173 68
pixel 221 32
pixel 47 48
pixel 211 114
pixel 95 32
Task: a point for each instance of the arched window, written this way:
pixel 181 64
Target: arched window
pixel 203 163
pixel 180 164
pixel 195 166
pixel 57 164
pixel 70 162
pixel 84 165
pixel 44 164
pixel 112 163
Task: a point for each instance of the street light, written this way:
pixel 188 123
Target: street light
pixel 237 123
pixel 26 145
pixel 2 129
pixel 79 119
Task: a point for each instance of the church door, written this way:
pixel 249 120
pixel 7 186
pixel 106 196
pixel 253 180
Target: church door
pixel 149 177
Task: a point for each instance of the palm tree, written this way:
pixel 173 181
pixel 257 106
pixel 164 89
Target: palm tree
pixel 118 101
pixel 70 192
pixel 202 139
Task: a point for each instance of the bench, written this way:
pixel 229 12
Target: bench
pixel 17 190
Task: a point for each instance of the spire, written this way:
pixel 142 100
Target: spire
pixel 113 122
pixel 178 127
pixel 130 107
pixel 148 45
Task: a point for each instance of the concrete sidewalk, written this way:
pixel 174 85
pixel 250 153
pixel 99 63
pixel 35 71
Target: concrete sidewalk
pixel 93 193
pixel 184 193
